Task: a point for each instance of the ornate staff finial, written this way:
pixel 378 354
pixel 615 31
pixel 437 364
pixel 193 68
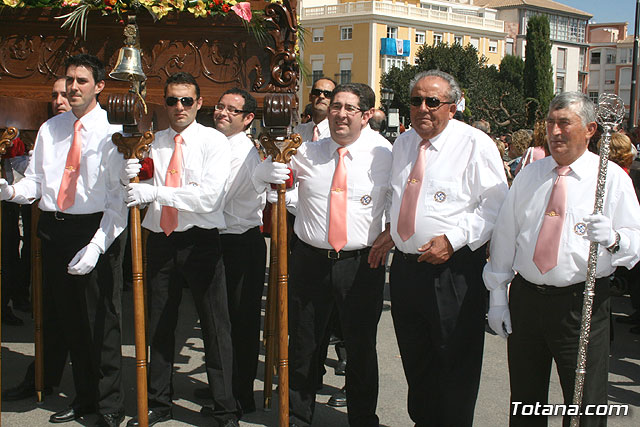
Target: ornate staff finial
pixel 610 110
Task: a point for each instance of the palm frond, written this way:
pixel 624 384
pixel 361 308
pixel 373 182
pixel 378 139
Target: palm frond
pixel 77 20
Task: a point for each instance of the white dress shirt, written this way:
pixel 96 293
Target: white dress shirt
pixel 306 130
pixel 243 204
pixel 206 159
pixel 515 236
pixel 98 187
pixel 463 188
pixel 368 165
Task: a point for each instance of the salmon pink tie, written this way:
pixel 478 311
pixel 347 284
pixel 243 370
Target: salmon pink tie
pixel 338 204
pixel 316 133
pixel 169 215
pixel 545 255
pixel 67 192
pixel 407 215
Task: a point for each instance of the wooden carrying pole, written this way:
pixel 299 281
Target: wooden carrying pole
pixel 135 147
pixel 5 141
pixel 36 284
pixel 276 142
pixel 270 335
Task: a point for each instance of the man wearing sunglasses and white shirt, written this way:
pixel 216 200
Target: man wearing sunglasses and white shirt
pixel 448 184
pixel 191 168
pixel 318 127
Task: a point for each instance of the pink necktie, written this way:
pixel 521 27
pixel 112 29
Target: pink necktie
pixel 316 133
pixel 67 192
pixel 338 204
pixel 407 215
pixel 169 215
pixel 545 255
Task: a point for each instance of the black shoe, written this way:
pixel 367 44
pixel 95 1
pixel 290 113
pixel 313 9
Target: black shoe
pixel 339 399
pixel 68 414
pixel 155 416
pixel 341 368
pixel 9 318
pixel 110 420
pixel 203 393
pixel 231 422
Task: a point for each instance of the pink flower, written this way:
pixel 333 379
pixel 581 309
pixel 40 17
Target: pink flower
pixel 243 10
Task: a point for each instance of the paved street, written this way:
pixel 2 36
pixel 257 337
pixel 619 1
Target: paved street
pixel 491 409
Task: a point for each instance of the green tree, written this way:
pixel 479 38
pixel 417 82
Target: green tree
pixel 512 71
pixel 538 74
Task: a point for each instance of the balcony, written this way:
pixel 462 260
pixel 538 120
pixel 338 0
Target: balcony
pixel 394 47
pixel 397 10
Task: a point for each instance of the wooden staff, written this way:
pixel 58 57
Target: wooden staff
pixel 5 141
pixel 270 315
pixel 36 284
pixel 135 147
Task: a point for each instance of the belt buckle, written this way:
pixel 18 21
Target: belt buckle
pixel 331 254
pixel 59 218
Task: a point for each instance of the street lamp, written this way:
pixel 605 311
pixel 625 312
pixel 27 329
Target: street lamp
pixel 387 98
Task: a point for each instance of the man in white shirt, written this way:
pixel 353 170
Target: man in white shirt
pixel 73 172
pixel 185 197
pixel 544 307
pixel 343 183
pixel 318 127
pixel 243 247
pixel 447 185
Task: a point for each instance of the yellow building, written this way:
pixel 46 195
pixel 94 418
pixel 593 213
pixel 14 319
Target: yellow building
pixel 357 41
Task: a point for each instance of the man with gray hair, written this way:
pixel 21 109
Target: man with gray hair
pixel 448 184
pixel 546 227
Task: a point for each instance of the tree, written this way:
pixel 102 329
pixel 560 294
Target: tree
pixel 512 70
pixel 538 74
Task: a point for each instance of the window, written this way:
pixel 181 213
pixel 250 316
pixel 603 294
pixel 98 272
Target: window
pixel 457 40
pixel 345 71
pixel 610 77
pixel 316 67
pixel 611 57
pixel 318 35
pixel 420 37
pixel 625 94
pixel 388 62
pixel 392 32
pixel 346 33
pixel 595 57
pixel 474 42
pixel 624 78
pixel 437 39
pixel 593 96
pixel 559 84
pixel 626 55
pixel 509 47
pixel 493 46
pixel 561 59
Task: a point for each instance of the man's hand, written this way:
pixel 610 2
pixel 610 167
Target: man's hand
pixel 131 169
pixel 380 248
pixel 270 172
pixel 6 190
pixel 272 196
pixel 85 260
pixel 437 251
pixel 499 317
pixel 140 194
pixel 599 230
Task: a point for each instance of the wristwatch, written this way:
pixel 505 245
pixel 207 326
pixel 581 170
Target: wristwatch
pixel 616 245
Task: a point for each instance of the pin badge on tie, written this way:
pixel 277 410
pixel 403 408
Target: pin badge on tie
pixel 580 228
pixel 365 200
pixel 440 196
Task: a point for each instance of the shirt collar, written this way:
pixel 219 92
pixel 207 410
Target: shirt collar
pixel 187 133
pixel 333 146
pixel 88 120
pixel 439 140
pixel 581 167
pixel 323 125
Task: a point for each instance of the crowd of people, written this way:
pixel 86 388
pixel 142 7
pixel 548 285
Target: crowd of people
pixel 440 196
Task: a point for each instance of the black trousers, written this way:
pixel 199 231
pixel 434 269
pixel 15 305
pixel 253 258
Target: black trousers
pixel 546 327
pixel 317 284
pixel 12 280
pixel 193 256
pixel 438 315
pixel 245 257
pixel 86 309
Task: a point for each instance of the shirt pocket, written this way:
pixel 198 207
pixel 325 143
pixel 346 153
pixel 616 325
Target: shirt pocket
pixel 440 195
pixel 365 196
pixel 576 230
pixel 192 177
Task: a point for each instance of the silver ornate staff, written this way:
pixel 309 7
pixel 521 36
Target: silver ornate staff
pixel 610 112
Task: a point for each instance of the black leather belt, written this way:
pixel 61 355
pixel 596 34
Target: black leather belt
pixel 407 257
pixel 331 254
pixel 553 290
pixel 61 216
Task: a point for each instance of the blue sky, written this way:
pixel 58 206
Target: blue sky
pixel 607 10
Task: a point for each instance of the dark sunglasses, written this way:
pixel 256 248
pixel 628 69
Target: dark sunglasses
pixel 431 101
pixel 326 93
pixel 186 101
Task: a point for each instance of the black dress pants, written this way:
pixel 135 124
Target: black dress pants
pixel 87 309
pixel 317 284
pixel 193 256
pixel 245 257
pixel 438 315
pixel 546 326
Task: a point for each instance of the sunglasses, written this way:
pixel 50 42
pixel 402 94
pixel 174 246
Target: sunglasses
pixel 318 92
pixel 431 101
pixel 231 110
pixel 186 101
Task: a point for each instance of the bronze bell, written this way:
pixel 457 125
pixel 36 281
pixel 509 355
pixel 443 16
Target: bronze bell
pixel 129 66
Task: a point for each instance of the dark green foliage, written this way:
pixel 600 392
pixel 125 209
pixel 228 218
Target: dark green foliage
pixel 538 74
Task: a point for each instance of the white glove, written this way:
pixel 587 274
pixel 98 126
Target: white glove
pixel 140 194
pixel 270 172
pixel 499 317
pixel 131 169
pixel 599 230
pixel 85 260
pixel 6 190
pixel 272 196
